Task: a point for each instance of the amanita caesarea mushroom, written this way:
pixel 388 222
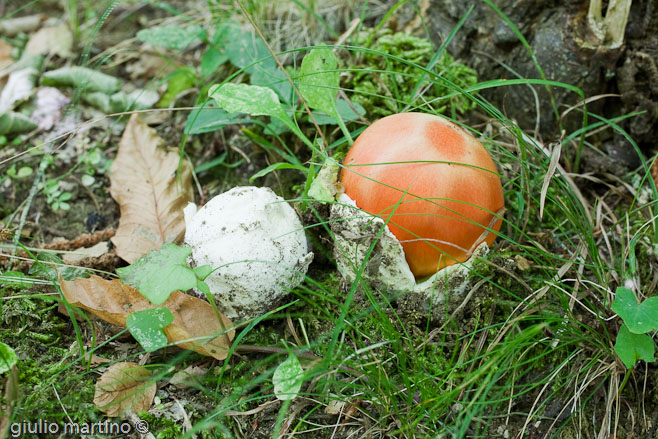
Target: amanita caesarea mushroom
pixel 434 185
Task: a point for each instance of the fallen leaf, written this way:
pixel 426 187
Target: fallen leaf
pixel 346 408
pixel 52 40
pixel 15 26
pixel 97 360
pixel 79 254
pixel 20 84
pixel 522 263
pixel 5 55
pixel 335 407
pixel 149 65
pixel 150 195
pixel 186 378
pixel 194 319
pixel 124 387
pixel 49 106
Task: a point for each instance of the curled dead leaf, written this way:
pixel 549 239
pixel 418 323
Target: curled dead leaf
pixel 195 327
pixel 124 387
pixel 150 195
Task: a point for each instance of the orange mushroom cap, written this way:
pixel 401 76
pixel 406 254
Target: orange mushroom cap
pixel 440 212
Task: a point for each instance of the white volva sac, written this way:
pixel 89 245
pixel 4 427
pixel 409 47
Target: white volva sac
pixel 387 269
pixel 257 241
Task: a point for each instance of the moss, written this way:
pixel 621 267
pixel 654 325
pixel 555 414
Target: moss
pixel 162 427
pixel 383 93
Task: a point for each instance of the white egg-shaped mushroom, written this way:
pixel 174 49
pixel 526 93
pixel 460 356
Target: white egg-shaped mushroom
pixel 257 243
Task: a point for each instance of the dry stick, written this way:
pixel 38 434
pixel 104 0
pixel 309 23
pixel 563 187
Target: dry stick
pixel 278 63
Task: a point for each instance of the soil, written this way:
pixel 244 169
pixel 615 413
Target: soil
pixel 557 33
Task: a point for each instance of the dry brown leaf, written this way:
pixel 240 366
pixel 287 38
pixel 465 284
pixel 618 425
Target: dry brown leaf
pixel 194 318
pixel 187 378
pixel 81 253
pixel 148 66
pixel 5 55
pixel 55 40
pixel 124 387
pixel 150 195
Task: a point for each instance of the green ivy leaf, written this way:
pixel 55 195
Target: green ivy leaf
pixel 288 379
pixel 160 272
pixel 147 327
pixel 171 37
pixel 216 55
pixel 247 51
pixel 179 81
pixel 208 119
pixel 632 347
pixel 203 271
pixel 251 99
pixel 8 358
pixel 344 110
pixel 639 317
pixel 319 80
pixel 46 268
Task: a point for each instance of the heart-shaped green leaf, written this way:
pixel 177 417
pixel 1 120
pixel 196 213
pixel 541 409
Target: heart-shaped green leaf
pixel 247 51
pixel 639 317
pixel 288 378
pixel 160 272
pixel 319 80
pixel 8 358
pixel 147 327
pixel 251 99
pixel 632 347
pixel 171 37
